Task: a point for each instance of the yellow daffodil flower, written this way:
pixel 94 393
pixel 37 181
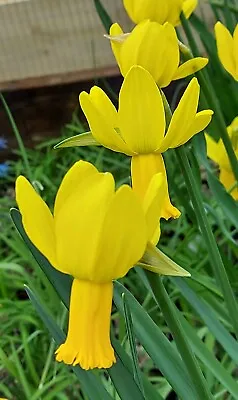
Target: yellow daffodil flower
pixel 227 46
pixel 217 152
pixel 159 10
pixel 138 128
pixel 155 47
pixel 95 234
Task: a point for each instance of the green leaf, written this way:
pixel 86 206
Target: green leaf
pixel 131 336
pixel 224 199
pixel 150 392
pixel 210 319
pixel 83 139
pixel 164 355
pixel 201 351
pixel 90 383
pixel 156 261
pixel 103 15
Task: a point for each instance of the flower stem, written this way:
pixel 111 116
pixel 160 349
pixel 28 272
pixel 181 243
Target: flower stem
pixel 210 95
pixel 169 311
pixel 209 239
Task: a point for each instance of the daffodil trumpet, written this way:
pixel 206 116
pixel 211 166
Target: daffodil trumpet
pixel 96 234
pixel 138 129
pixel 140 47
pixel 217 152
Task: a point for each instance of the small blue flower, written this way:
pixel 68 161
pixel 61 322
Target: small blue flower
pixel 4 167
pixel 3 143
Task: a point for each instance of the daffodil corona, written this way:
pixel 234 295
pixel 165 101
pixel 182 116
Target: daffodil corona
pixel 217 152
pixel 227 46
pixel 140 47
pixel 138 128
pixel 96 234
pixel 159 10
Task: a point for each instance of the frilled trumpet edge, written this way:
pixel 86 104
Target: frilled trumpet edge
pixel 88 339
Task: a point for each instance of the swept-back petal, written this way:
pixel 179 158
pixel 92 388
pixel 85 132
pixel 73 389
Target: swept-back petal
pixel 201 120
pixel 182 117
pixel 225 47
pixel 36 218
pixel 73 178
pixel 79 223
pixel 101 129
pixel 190 67
pixel 123 237
pixel 153 206
pixel 141 111
pixel 143 168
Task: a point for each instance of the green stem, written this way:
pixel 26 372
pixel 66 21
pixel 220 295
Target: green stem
pixel 18 138
pixel 209 239
pixel 210 95
pixel 170 313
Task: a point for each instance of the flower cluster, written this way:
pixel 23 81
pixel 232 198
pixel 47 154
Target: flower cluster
pixel 97 233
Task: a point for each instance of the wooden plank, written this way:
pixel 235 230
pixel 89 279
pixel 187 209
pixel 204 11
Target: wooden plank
pixel 42 38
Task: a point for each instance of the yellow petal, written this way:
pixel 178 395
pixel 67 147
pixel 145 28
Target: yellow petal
pixel 235 51
pixel 228 180
pixel 190 67
pixel 101 128
pixel 79 223
pixel 225 47
pixel 171 54
pixel 102 102
pixel 215 150
pixel 139 10
pixel 141 111
pixel 189 6
pixel 143 168
pixel 72 179
pixel 139 49
pixel 116 30
pixel 36 218
pixel 182 117
pixel 88 340
pixel 123 237
pixel 153 206
pixel 201 120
